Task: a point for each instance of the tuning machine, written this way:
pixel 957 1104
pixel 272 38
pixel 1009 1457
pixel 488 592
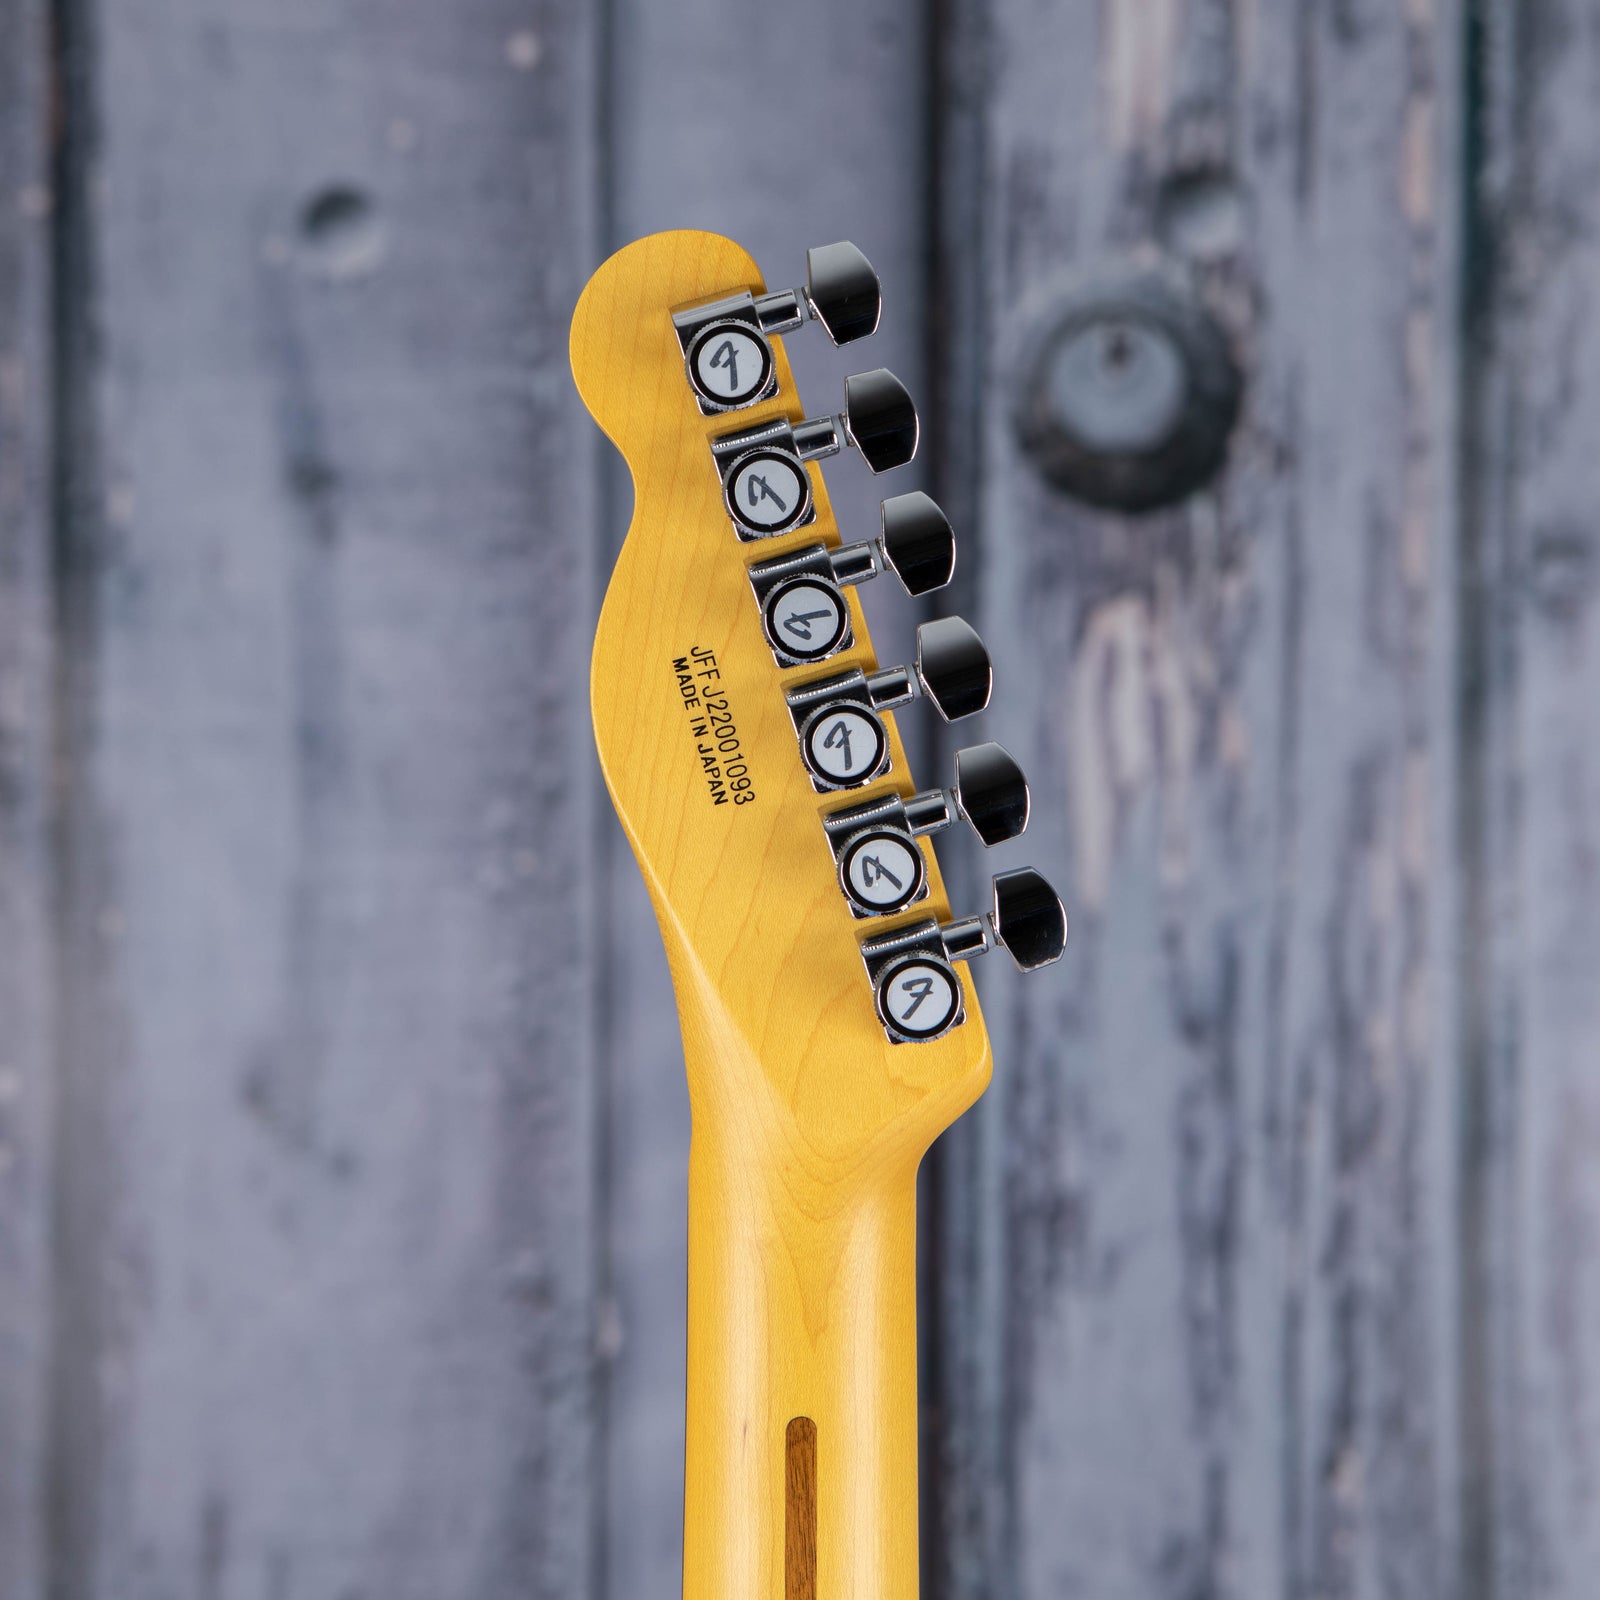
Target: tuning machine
pixel 843 741
pixel 803 610
pixel 916 990
pixel 881 869
pixel 765 486
pixel 727 351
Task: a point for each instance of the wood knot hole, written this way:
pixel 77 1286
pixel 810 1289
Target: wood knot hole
pixel 341 234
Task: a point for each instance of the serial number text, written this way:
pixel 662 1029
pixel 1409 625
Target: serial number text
pixel 713 729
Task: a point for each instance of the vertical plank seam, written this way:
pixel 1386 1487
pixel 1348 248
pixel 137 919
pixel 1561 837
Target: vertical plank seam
pixel 1487 68
pixel 26 866
pixel 75 1310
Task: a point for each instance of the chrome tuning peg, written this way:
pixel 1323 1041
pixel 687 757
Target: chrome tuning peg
pixel 726 348
pixel 842 291
pixel 803 612
pixel 881 869
pixel 952 669
pixel 765 486
pixel 843 741
pixel 879 420
pixel 917 544
pixel 915 987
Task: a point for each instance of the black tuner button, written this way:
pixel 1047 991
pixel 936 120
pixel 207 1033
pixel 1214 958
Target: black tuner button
pixel 1028 919
pixel 954 667
pixel 917 542
pixel 843 291
pixel 952 670
pixel 991 792
pixel 880 419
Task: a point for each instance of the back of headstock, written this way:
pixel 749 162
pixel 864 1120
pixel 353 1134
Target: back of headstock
pixel 747 732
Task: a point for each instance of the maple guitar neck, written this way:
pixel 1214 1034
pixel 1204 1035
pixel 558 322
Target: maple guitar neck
pixel 830 1026
pixel 801 1456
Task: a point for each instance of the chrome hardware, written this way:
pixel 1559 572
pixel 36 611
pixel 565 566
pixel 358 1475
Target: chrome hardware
pixel 803 613
pixel 880 419
pixel 879 861
pixel 765 487
pixel 881 871
pixel 726 351
pixel 729 364
pixel 843 741
pixel 842 291
pixel 853 563
pixel 917 545
pixel 917 542
pixel 916 991
pixel 951 669
pixel 990 792
pixel 1027 918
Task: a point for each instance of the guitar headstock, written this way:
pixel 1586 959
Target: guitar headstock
pixel 747 732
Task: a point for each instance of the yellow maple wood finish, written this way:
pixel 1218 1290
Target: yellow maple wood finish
pixel 808 1123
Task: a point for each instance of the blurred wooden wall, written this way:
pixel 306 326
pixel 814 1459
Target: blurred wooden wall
pixel 342 1130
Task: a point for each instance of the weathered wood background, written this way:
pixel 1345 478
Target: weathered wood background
pixel 342 1131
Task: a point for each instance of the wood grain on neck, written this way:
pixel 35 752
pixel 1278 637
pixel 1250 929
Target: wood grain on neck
pixel 808 1122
